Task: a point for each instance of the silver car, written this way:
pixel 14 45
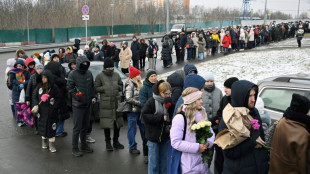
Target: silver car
pixel 277 92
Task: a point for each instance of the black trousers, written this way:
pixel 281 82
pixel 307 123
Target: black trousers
pixel 81 120
pixel 142 61
pixel 219 160
pixel 135 63
pixel 299 42
pixel 213 51
pixel 178 55
pixel 194 53
pixel 182 54
pixel 107 133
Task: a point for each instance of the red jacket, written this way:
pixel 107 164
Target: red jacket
pixel 228 41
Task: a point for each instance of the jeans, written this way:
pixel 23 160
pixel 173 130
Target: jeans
pixel 225 50
pixel 189 53
pixel 201 55
pixel 116 64
pixel 13 111
pixel 60 127
pixel 133 120
pixel 262 39
pixel 157 157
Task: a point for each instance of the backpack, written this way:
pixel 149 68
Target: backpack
pixel 8 83
pixel 174 156
pixel 150 51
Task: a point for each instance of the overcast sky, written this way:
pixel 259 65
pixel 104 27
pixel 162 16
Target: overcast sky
pixel 286 6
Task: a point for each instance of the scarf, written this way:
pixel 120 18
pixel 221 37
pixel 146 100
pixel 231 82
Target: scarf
pixel 210 88
pixel 19 74
pixel 160 106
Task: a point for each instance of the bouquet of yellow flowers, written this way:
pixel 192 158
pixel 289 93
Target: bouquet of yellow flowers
pixel 203 132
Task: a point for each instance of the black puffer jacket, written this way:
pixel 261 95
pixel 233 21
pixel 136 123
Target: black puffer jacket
pixel 245 158
pixel 32 84
pixel 48 110
pixel 81 80
pixel 154 123
pixel 165 53
pixel 176 81
pixel 135 49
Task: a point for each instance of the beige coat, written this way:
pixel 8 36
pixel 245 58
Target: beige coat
pixel 125 56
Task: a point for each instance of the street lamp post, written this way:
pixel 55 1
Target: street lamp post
pixel 167 18
pixel 265 13
pixel 28 21
pixel 298 9
pixel 112 5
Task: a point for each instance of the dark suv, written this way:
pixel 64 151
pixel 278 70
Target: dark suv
pixel 276 92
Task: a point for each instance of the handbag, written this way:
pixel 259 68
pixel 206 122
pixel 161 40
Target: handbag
pixel 28 117
pixel 122 107
pixel 22 96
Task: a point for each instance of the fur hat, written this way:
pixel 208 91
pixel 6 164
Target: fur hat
pixel 133 72
pixel 36 54
pixel 81 52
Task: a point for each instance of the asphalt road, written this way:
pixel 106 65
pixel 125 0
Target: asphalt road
pixel 21 150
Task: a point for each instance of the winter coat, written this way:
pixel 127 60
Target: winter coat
pixel 76 45
pixel 242 34
pixel 211 103
pixel 209 41
pixel 106 50
pixel 201 45
pixel 216 40
pixel 191 161
pixel 135 49
pixel 27 62
pixel 251 35
pixel 190 42
pixel 166 52
pixel 98 56
pixel 290 148
pixel 195 40
pixel 115 53
pixel 69 57
pixel 300 33
pixel 48 110
pixel 155 124
pixel 89 55
pixel 10 64
pixel 16 90
pixel 183 40
pixel 132 97
pixel 145 92
pixel 109 86
pixel 58 76
pixel 143 49
pixel 32 84
pixel 19 51
pixel 226 41
pixel 79 80
pixel 124 57
pixel 245 158
pixel 222 34
pixel 176 81
pixel 177 44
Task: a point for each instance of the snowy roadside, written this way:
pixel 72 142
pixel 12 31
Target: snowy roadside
pixel 287 43
pixel 255 66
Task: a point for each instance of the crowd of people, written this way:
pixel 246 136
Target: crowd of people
pixel 158 107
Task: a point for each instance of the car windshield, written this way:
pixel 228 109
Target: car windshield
pixel 177 26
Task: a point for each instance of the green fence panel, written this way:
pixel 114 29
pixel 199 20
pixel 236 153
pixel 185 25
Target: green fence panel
pixel 32 35
pixel 10 36
pixel 43 35
pixel 61 35
pixel 97 31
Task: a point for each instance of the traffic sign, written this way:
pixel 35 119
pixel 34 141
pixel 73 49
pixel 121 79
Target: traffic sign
pixel 85 17
pixel 85 9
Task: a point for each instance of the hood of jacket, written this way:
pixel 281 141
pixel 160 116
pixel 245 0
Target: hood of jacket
pixel 155 87
pixel 194 80
pixel 10 62
pixel 240 92
pixel 53 67
pixel 49 75
pixel 70 48
pixel 190 67
pixel 72 61
pixel 19 61
pixel 175 80
pixel 77 41
pixel 28 61
pixel 19 51
pixel 80 60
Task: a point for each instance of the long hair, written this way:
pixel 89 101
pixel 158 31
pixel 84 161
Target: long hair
pixel 191 109
pixel 138 82
pixel 45 86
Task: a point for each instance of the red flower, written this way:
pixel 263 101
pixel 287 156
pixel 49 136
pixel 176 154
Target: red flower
pixel 79 94
pixel 168 105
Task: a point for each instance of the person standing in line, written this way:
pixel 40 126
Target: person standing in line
pixel 151 52
pixel 135 49
pixel 157 115
pixel 125 56
pixel 183 45
pixel 226 42
pixel 209 42
pixel 47 97
pixel 80 85
pixel 191 161
pixel 109 84
pixel 115 54
pixel 299 35
pixel 88 53
pixel 145 93
pixel 178 48
pixel 142 54
pixel 194 49
pixel 132 88
pixel 215 42
pixel 201 47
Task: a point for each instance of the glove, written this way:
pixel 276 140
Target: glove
pixel 93 101
pixel 44 97
pixel 168 102
pixel 21 86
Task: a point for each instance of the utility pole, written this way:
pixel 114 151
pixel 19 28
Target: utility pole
pixel 298 9
pixel 28 21
pixel 167 18
pixel 112 5
pixel 265 13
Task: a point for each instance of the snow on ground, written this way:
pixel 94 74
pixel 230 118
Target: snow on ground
pixel 255 65
pixel 287 43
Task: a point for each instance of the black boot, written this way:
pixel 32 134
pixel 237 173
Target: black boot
pixel 117 145
pixel 76 152
pixel 109 146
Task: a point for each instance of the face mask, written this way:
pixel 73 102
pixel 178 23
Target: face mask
pixel 83 67
pixel 209 88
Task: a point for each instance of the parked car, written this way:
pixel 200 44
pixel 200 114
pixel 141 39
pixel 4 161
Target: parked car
pixel 95 68
pixel 276 92
pixel 178 28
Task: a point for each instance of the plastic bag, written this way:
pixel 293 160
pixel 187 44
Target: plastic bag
pixel 22 96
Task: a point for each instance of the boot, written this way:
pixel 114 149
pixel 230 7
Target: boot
pixel 85 148
pixel 117 145
pixel 109 146
pixel 76 152
pixel 44 143
pixel 52 147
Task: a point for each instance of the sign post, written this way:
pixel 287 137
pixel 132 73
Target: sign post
pixel 85 17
